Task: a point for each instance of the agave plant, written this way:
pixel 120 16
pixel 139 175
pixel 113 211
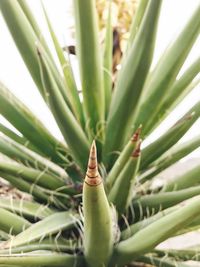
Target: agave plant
pixel 113 216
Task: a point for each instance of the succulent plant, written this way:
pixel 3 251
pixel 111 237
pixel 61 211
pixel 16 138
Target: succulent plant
pixel 90 200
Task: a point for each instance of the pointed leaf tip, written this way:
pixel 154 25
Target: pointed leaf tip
pixel 92 175
pixel 38 48
pixel 38 51
pixel 137 151
pixel 93 148
pixel 93 156
pixel 137 134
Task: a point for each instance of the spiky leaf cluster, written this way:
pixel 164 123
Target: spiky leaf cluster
pixel 103 212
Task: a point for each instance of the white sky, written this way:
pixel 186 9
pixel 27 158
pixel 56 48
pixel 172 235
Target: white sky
pixel 13 72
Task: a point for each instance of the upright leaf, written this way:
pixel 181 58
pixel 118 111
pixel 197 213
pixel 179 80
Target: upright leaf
pixel 177 92
pixel 71 130
pixel 98 239
pixel 71 88
pixel 137 20
pixel 131 79
pixel 88 52
pixel 122 198
pixel 23 35
pixel 166 71
pixel 180 85
pixel 26 33
pixel 108 54
pixel 122 159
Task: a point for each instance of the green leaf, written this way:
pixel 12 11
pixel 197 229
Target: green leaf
pixel 90 65
pixel 194 226
pixel 177 92
pixel 31 127
pixel 4 236
pixel 185 180
pixel 166 71
pixel 43 195
pixel 107 59
pixel 71 130
pixel 171 137
pixel 23 35
pixel 123 104
pixel 98 234
pixel 137 21
pixel 152 235
pixel 163 200
pixel 24 155
pixel 122 159
pixel 28 209
pixel 26 33
pixel 53 243
pixel 182 83
pixel 12 223
pixel 48 226
pixel 41 259
pixel 34 176
pixel 8 132
pixel 122 198
pixel 71 88
pixel 32 21
pixel 174 154
pixel 135 227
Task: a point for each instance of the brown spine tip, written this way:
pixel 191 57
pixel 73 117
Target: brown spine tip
pixel 137 134
pixel 93 177
pixel 38 49
pixel 38 52
pixel 137 151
